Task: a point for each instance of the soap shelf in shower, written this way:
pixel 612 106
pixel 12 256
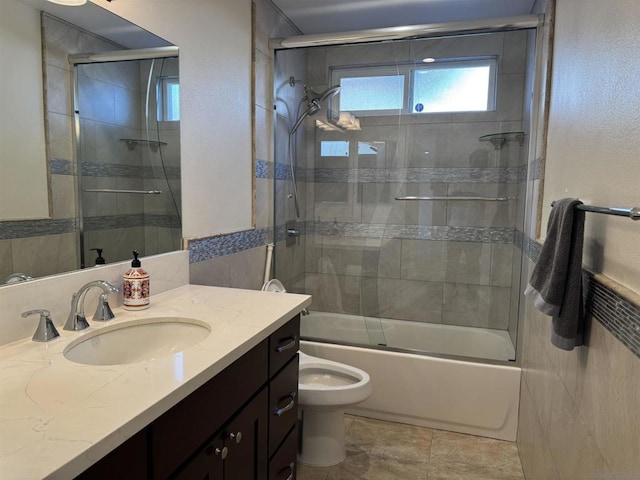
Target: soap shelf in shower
pixel 499 139
pixel 152 144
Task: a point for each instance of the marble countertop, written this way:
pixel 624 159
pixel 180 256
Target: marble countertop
pixel 58 417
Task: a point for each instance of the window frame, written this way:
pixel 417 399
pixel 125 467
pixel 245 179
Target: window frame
pixel 162 104
pixel 408 71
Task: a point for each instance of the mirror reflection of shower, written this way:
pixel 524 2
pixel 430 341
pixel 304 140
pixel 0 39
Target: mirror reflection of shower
pixel 314 101
pixel 128 151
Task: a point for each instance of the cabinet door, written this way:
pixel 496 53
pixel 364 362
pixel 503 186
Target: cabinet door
pixel 207 465
pixel 246 442
pixel 129 461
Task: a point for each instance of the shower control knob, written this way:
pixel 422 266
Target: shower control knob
pixel 236 437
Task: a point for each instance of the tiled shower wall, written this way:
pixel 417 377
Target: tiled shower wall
pixel 441 262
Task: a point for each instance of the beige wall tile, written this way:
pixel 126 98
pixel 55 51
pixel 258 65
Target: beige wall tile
pixel 572 446
pixel 402 299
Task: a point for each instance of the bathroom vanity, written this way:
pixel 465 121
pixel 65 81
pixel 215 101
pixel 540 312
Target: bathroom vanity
pixel 224 408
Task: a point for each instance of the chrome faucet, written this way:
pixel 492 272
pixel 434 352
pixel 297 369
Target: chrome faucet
pixel 77 319
pixel 46 329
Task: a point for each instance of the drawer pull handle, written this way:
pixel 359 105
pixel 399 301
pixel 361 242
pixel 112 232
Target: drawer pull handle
pixel 288 345
pixel 279 411
pixel 222 453
pixel 237 437
pixel 291 468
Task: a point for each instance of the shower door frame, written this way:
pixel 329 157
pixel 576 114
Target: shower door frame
pixel 526 22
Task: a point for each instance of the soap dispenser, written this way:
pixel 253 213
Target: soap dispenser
pixel 99 259
pixel 135 286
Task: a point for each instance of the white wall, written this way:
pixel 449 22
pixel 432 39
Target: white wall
pixel 214 38
pixel 23 165
pixel 593 148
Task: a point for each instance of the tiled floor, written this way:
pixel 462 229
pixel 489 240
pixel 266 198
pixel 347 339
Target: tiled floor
pixel 378 450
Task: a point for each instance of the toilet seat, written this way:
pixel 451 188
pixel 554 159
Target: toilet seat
pixel 342 385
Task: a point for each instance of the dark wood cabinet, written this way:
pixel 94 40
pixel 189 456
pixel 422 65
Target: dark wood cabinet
pixel 240 425
pixel 127 461
pixel 282 465
pixel 239 451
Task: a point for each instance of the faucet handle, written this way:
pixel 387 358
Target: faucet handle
pixel 75 321
pixel 46 329
pixel 103 310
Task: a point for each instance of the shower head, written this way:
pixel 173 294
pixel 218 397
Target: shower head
pixel 311 93
pixel 314 101
pixel 330 92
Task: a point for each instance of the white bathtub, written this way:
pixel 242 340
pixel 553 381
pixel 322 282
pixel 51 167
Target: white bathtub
pixel 421 337
pixel 460 396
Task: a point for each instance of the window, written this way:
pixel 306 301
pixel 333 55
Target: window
pixel 456 85
pixel 168 99
pixel 330 148
pixel 372 93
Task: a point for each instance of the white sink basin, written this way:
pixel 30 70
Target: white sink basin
pixel 137 341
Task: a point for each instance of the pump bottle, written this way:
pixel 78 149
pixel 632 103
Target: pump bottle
pixel 135 286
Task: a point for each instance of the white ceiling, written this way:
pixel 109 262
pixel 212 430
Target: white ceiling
pixel 324 16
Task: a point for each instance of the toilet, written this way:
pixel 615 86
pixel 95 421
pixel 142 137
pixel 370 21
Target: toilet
pixel 326 389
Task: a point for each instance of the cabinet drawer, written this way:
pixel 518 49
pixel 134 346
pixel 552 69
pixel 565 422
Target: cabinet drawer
pixel 283 404
pixel 184 428
pixel 284 344
pixel 283 464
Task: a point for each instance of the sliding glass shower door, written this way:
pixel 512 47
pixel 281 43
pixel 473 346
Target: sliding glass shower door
pixel 414 181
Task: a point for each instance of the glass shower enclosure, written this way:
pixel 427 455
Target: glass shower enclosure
pixel 128 154
pixel 411 185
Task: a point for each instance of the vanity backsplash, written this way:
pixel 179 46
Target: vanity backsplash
pixel 170 270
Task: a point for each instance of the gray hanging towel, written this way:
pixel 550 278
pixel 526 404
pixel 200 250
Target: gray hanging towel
pixel 555 286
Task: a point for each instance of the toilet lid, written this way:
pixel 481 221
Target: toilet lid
pixel 274 285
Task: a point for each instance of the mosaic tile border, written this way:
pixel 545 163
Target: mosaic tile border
pixel 60 166
pixel 414 175
pixel 226 244
pixel 10 230
pixel 282 171
pixel 264 169
pixel 615 313
pixel 101 169
pixel 618 315
pixel 108 222
pixel 415 232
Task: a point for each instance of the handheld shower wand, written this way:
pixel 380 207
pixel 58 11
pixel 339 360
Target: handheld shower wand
pixel 314 105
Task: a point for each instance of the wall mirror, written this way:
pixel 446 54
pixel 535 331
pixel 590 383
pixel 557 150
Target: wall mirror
pixel 99 158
